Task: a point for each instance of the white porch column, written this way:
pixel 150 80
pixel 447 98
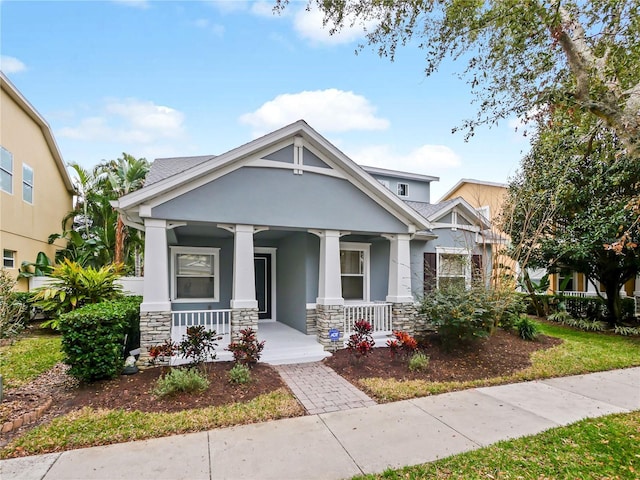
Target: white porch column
pixel 636 290
pixel 244 287
pixel 399 269
pixel 591 288
pixel 329 286
pixel 156 267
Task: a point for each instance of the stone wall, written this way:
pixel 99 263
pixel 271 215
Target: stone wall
pixel 328 317
pixel 403 317
pixel 155 328
pixel 312 321
pixel 242 318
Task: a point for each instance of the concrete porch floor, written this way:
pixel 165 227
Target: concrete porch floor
pixel 283 345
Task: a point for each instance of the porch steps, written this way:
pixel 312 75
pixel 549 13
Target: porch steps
pixel 285 345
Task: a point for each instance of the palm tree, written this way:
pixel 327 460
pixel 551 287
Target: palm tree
pixel 125 175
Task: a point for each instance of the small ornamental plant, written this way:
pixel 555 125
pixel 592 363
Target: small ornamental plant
pixel 247 350
pixel 403 344
pixel 196 346
pixel 160 352
pixel 361 342
pixel 239 374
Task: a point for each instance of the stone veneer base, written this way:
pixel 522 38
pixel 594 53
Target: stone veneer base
pixel 328 317
pixel 242 318
pixel 155 329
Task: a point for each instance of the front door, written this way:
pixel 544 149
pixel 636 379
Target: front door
pixel 264 287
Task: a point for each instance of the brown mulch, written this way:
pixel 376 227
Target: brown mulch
pixel 501 354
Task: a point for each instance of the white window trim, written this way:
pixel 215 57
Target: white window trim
pixel 24 182
pixel 454 251
pixel 7 171
pixel 406 190
pixel 216 273
pixel 12 258
pixel 360 247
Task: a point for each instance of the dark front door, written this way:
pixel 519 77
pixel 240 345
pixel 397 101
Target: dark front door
pixel 262 262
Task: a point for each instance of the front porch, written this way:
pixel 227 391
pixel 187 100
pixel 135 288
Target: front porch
pixel 284 344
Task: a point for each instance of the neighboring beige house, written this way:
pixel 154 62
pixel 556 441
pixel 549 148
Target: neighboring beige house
pixel 35 189
pixel 487 198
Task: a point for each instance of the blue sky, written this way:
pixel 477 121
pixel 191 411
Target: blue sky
pixel 161 79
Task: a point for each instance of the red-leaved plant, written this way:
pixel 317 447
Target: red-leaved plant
pixel 361 342
pixel 404 344
pixel 247 350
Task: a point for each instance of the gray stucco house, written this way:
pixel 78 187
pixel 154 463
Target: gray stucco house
pixel 288 229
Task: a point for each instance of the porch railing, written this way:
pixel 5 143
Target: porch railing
pixel 218 320
pixel 377 314
pixel 571 293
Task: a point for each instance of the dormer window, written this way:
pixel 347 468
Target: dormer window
pixel 403 189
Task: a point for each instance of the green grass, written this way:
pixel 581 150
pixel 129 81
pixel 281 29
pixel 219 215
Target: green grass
pixel 29 357
pixel 580 352
pixel 89 427
pixel 596 448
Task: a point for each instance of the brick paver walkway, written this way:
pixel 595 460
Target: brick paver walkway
pixel 320 389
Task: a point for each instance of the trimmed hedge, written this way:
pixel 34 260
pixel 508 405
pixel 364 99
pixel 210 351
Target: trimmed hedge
pixel 93 337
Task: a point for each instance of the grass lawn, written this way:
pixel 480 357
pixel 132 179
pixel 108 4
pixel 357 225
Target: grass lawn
pixel 596 448
pixel 29 357
pixel 88 427
pixel 581 352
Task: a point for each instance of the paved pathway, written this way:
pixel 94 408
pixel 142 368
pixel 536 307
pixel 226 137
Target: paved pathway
pixel 320 389
pixel 342 444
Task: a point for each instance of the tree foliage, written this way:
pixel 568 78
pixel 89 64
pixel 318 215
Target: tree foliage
pixel 97 236
pixel 521 56
pixel 569 202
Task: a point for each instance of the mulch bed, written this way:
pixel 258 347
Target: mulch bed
pixel 501 354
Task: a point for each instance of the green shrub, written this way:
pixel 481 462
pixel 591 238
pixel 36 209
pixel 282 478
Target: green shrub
pixel 93 337
pixel 181 380
pixel 461 315
pixel 527 328
pixel 626 331
pixel 73 286
pixel 418 362
pixel 11 310
pixel 239 374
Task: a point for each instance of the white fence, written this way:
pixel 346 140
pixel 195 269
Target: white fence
pixel 130 285
pixel 377 314
pixel 217 320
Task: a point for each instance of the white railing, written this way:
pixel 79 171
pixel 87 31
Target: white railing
pixel 377 314
pixel 217 320
pixel 571 293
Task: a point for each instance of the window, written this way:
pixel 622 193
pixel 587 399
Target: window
pixel 6 171
pixel 454 268
pixel 354 270
pixel 195 274
pixel 27 183
pixel 403 189
pixel 8 259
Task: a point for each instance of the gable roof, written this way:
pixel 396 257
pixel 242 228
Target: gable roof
pixel 434 211
pixel 462 181
pixel 173 177
pixel 399 174
pixel 29 109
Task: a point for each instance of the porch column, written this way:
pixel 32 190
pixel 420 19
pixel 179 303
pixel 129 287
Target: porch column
pixel 155 310
pixel 403 311
pixel 329 303
pixel 244 306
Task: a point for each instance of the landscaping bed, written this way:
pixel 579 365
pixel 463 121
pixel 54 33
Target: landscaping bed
pixel 502 354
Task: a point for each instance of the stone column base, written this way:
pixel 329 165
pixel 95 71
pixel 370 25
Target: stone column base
pixel 403 317
pixel 155 329
pixel 328 317
pixel 242 318
pixel 312 321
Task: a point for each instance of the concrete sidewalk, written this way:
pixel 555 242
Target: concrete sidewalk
pixel 342 444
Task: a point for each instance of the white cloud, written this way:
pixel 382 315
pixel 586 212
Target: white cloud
pixel 11 64
pixel 262 9
pixel 328 110
pixel 129 121
pixel 424 160
pixel 308 25
pixel 142 4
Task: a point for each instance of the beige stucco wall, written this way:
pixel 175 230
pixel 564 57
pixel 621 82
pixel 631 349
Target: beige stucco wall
pixel 24 227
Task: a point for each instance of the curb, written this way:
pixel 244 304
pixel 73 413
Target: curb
pixel 26 418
